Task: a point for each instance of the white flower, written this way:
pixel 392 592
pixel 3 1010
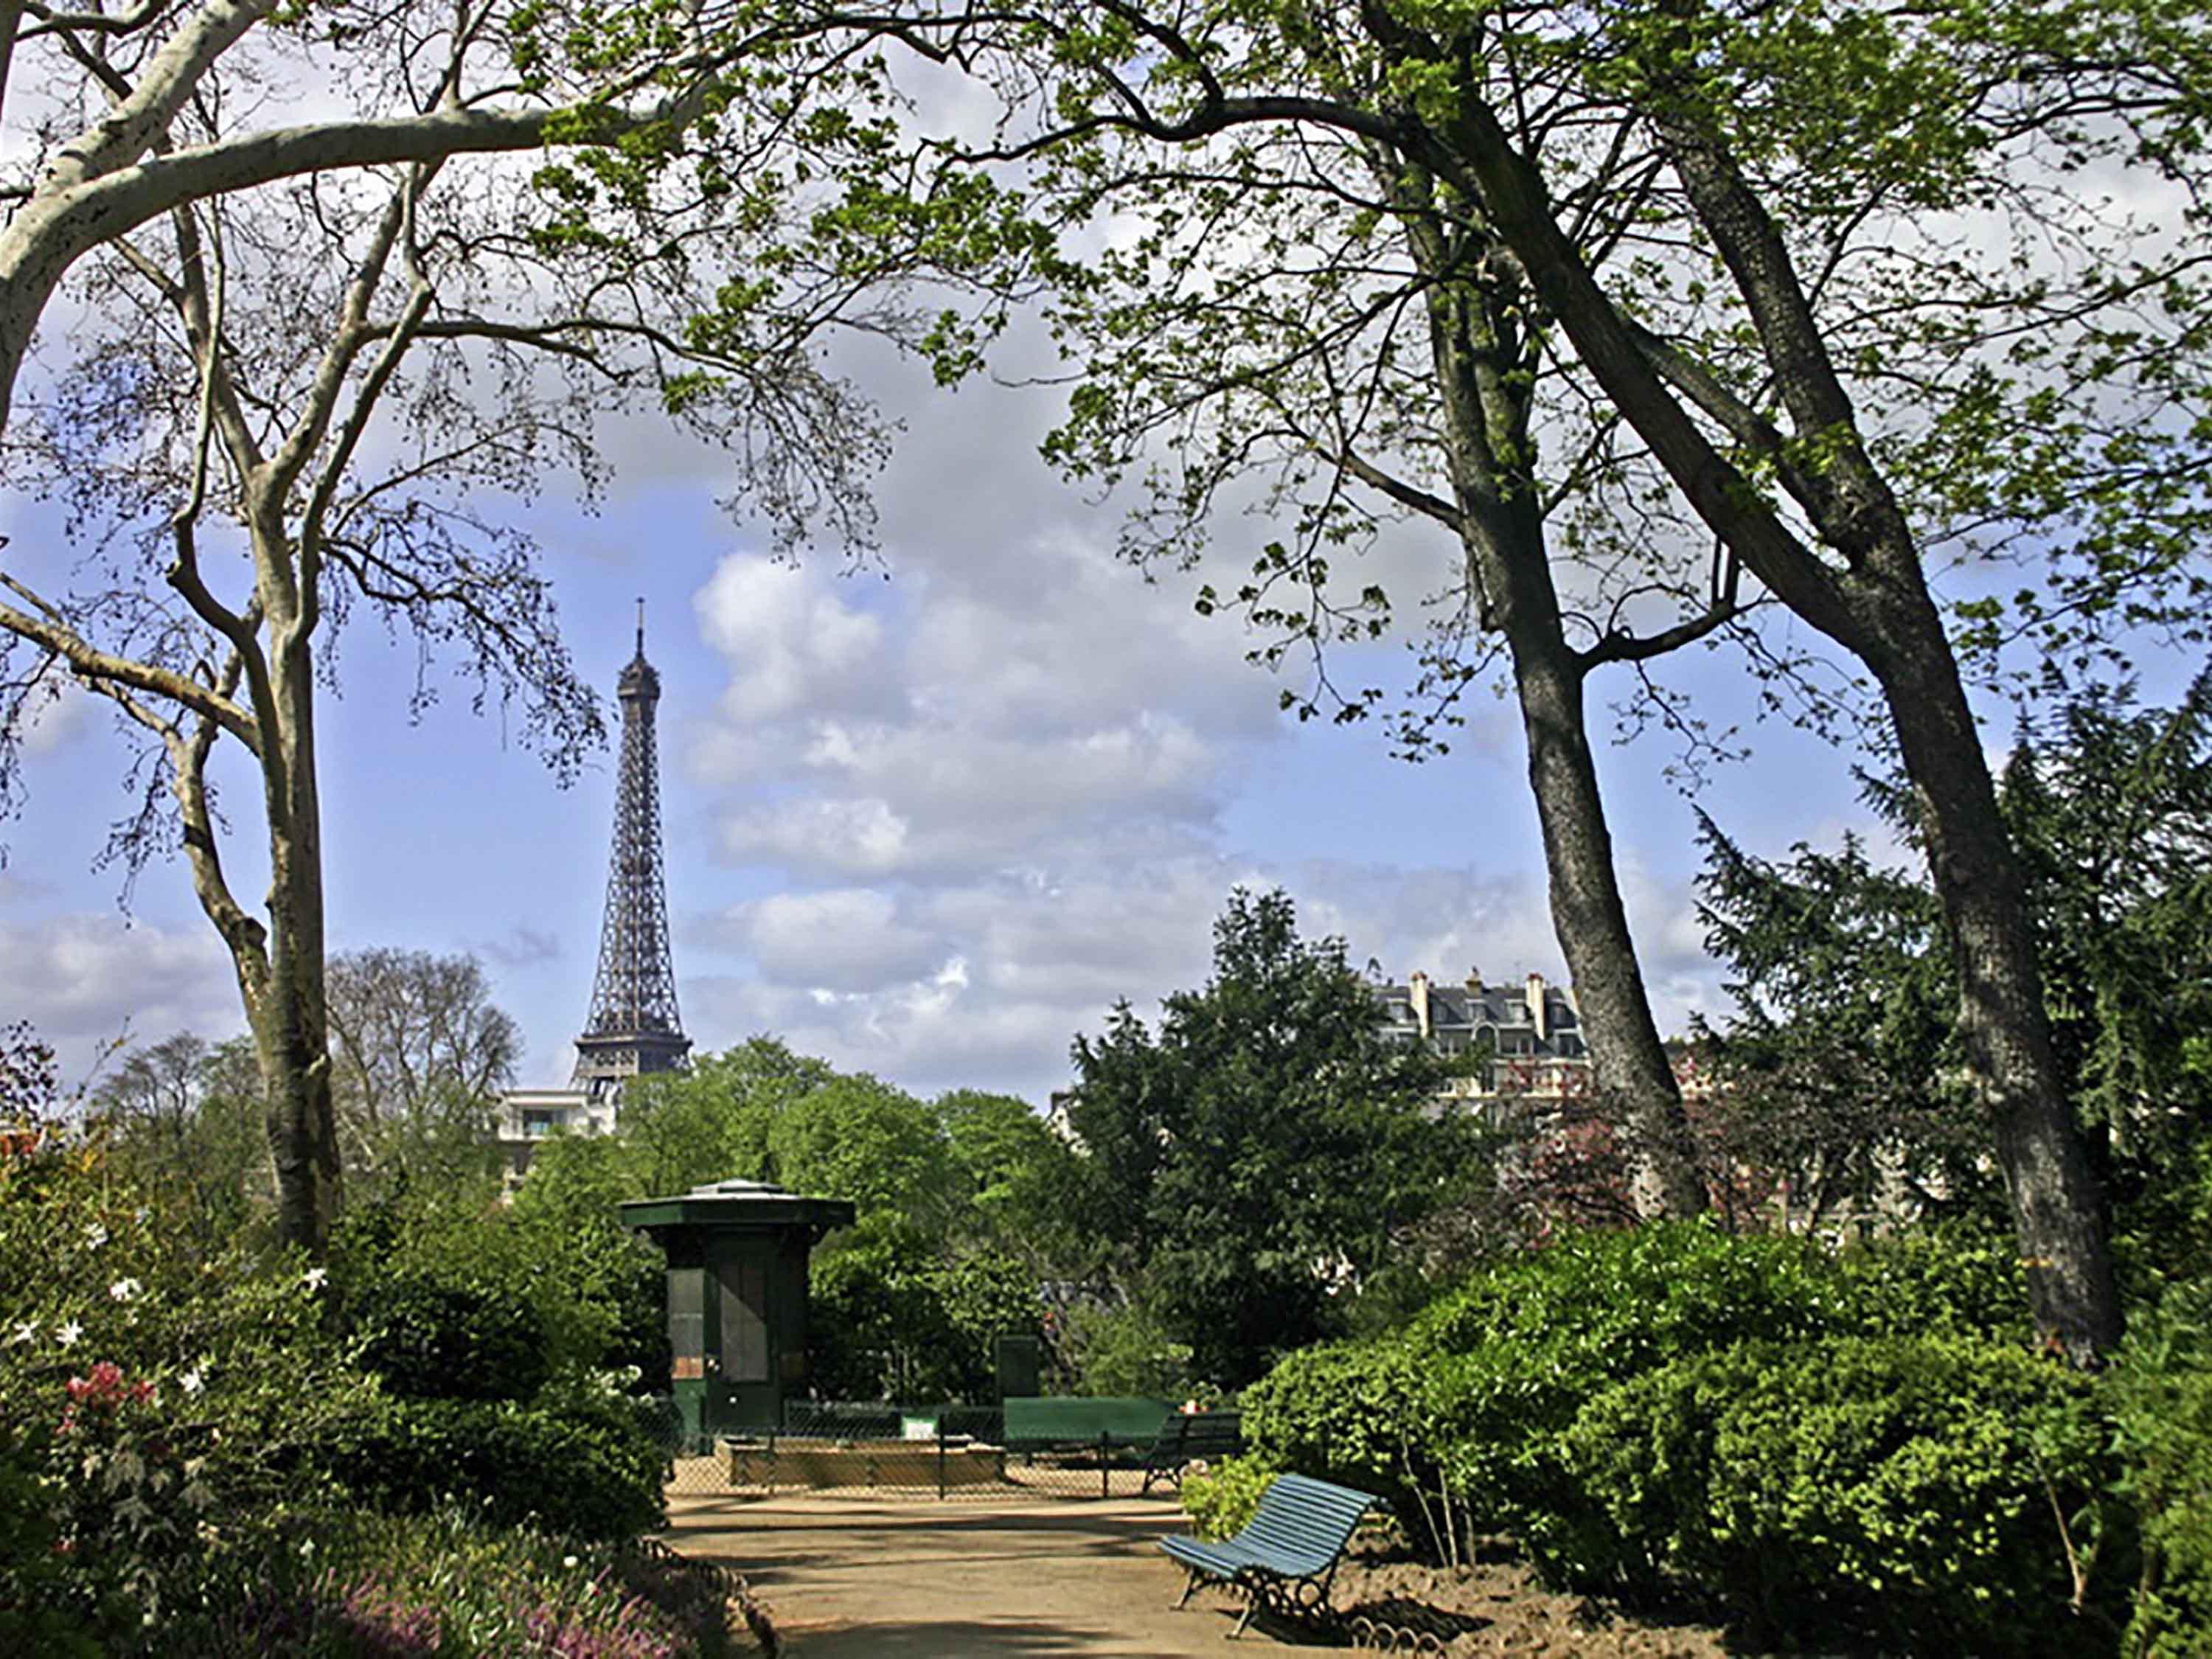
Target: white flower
pixel 124 1289
pixel 314 1277
pixel 24 1332
pixel 568 1560
pixel 192 1381
pixel 95 1235
pixel 67 1334
pixel 307 1546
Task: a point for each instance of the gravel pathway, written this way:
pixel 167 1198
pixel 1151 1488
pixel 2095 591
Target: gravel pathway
pixel 903 1578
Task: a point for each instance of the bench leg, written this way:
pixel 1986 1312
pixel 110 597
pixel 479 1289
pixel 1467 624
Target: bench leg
pixel 1189 1588
pixel 1251 1607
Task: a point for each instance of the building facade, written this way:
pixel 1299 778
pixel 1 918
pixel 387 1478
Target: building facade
pixel 1518 1045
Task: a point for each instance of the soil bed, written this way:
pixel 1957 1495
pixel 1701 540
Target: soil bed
pixel 1496 1606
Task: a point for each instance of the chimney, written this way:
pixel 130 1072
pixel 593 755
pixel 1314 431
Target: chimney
pixel 1475 982
pixel 1536 1010
pixel 1417 986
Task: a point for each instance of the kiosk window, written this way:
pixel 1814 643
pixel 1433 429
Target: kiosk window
pixel 745 1321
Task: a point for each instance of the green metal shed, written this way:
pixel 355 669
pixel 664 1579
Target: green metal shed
pixel 737 1297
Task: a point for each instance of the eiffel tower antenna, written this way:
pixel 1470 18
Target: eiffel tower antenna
pixel 633 1026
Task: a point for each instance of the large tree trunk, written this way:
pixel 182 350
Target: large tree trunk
pixel 1636 1084
pixel 1502 527
pixel 292 1035
pixel 2056 1201
pixel 1877 607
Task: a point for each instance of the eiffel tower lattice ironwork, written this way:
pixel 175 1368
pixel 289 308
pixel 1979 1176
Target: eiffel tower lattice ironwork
pixel 633 1026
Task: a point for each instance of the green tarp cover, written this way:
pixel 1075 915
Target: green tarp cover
pixel 1036 1420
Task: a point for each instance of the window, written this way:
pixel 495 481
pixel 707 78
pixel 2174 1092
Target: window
pixel 687 1321
pixel 745 1321
pixel 539 1122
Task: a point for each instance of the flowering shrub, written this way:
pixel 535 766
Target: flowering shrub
pixel 177 1397
pixel 365 1586
pixel 188 1443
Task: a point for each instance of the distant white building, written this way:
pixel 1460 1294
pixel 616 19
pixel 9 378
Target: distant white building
pixel 527 1117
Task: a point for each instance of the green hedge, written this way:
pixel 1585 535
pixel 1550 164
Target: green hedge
pixel 1908 1489
pixel 432 1336
pixel 1859 1439
pixel 2161 1396
pixel 588 1468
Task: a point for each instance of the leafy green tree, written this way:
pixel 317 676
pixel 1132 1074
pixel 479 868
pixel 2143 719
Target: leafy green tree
pixel 1843 1047
pixel 1316 318
pixel 185 1115
pixel 894 1318
pixel 859 1138
pixel 1836 1073
pixel 1016 1176
pixel 682 1129
pixel 1265 1147
pixel 1860 325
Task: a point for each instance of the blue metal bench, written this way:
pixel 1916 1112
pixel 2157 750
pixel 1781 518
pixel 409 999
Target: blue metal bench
pixel 1286 1555
pixel 1189 1437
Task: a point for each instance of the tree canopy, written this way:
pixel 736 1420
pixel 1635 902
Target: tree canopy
pixel 1263 1147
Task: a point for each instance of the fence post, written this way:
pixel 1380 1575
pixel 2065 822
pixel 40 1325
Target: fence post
pixel 940 1460
pixel 1105 1439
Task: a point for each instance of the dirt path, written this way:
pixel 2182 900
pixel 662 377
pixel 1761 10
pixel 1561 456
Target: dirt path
pixel 911 1578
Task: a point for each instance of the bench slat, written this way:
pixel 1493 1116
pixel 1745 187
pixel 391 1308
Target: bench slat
pixel 1296 1536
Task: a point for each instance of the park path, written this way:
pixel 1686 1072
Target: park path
pixel 915 1579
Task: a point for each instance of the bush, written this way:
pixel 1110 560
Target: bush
pixel 474 1301
pixel 1348 1412
pixel 2161 1394
pixel 1907 1488
pixel 585 1465
pixel 1222 1500
pixel 432 1336
pixel 1123 1353
pixel 45 1608
pixel 153 1399
pixel 355 1585
pixel 1795 1433
pixel 1508 1359
pixel 1958 1279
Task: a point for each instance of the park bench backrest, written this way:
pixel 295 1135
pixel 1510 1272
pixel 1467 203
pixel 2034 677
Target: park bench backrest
pixel 1187 1436
pixel 1213 1434
pixel 1302 1525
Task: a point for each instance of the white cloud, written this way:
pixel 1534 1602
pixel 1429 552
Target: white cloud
pixel 851 838
pixel 841 940
pixel 85 979
pixel 985 981
pixel 795 645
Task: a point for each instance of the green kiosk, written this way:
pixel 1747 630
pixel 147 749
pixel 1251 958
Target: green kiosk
pixel 737 1299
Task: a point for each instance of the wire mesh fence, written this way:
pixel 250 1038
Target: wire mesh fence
pixel 941 1453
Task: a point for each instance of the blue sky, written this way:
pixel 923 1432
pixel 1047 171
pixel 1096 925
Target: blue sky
pixel 930 826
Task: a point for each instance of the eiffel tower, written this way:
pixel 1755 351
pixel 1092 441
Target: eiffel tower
pixel 633 1026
